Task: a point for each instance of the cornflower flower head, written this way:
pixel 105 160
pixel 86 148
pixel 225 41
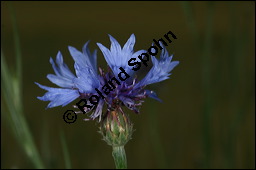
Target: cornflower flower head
pixel 88 82
pixel 87 78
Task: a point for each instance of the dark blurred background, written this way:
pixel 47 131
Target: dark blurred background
pixel 207 118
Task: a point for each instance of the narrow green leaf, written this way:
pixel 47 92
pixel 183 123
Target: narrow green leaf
pixel 65 150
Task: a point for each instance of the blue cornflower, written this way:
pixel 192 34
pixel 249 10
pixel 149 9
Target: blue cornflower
pixel 87 80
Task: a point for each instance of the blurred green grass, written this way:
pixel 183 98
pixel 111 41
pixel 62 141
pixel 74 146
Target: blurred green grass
pixel 11 81
pixel 207 117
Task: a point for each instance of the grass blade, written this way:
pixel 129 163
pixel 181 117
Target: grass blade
pixel 65 151
pixel 12 92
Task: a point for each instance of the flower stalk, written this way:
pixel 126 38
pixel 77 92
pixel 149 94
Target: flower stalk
pixel 119 156
pixel 116 130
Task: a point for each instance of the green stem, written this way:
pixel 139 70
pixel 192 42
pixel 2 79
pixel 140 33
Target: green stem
pixel 119 157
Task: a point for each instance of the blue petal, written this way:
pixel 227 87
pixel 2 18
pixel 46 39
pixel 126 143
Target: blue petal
pixel 60 81
pixel 129 103
pixel 92 57
pixel 81 59
pixel 136 54
pixel 63 76
pixel 115 48
pixel 86 49
pixel 98 111
pixel 107 54
pixel 128 46
pixel 160 71
pixel 58 96
pixel 86 80
pixel 55 68
pixel 78 56
pixel 118 57
pixel 64 99
pixel 94 60
pixel 63 68
pixel 153 95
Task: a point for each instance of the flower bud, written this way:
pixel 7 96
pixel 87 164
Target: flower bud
pixel 116 128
